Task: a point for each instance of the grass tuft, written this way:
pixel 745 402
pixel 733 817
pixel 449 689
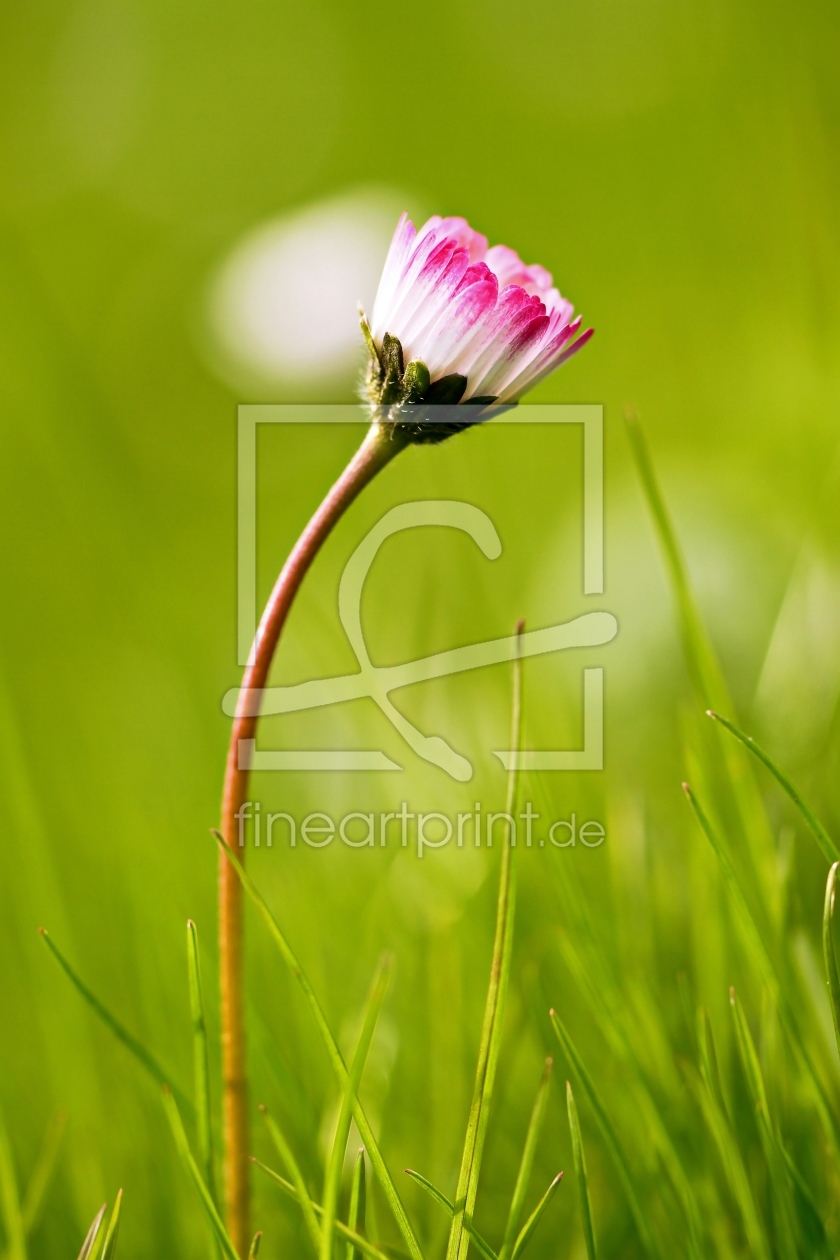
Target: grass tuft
pixel 610 1137
pixel 354 1239
pixel 337 1062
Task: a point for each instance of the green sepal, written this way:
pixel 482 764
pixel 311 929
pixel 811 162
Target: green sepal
pixel 447 391
pixel 416 381
pixel 368 336
pixel 392 366
pixel 406 393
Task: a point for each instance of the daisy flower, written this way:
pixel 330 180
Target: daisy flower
pixel 456 321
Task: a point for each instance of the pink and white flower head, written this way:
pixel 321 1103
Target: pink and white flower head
pixel 457 322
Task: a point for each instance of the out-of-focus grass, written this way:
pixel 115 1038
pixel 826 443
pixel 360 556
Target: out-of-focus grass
pixel 679 179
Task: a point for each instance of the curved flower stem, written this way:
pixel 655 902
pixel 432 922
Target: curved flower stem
pixel 379 448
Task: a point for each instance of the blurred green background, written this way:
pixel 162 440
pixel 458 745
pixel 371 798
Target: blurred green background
pixel 675 166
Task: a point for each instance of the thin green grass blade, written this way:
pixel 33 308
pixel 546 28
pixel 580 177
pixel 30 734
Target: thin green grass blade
pixel 709 1066
pixel 784 1213
pixel 733 778
pixel 814 1236
pixel 201 1064
pixel 829 956
pixel 708 1090
pixel 332 1181
pixel 579 1158
pixel 610 1136
pixel 41 1175
pixel 255 1246
pixel 491 1033
pixel 748 920
pixel 10 1199
pixel 358 1203
pixel 718 1124
pixel 109 1247
pixel 702 663
pixel 355 1240
pixel 769 967
pixel 334 1054
pixel 89 1245
pixel 827 846
pixel 529 1228
pixel 526 1165
pixel 641 1063
pixel 143 1056
pixel 293 1169
pixel 183 1148
pixel 482 1246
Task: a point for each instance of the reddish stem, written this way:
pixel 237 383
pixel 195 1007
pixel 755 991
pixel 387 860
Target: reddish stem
pixel 378 448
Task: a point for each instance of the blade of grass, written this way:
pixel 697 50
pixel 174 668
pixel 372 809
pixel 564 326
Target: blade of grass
pixel 814 1236
pixel 42 1172
pixel 355 1240
pixel 608 1133
pixel 183 1148
pixel 254 1250
pixel 748 921
pixel 93 1233
pixel 829 956
pixel 718 1124
pixel 769 970
pixel 702 663
pixel 784 1212
pixel 332 1181
pixel 527 1231
pixel 527 1163
pixel 201 1077
pixel 709 1066
pixel 201 1063
pixel 358 1197
pixel 491 1033
pixel 10 1199
pixel 704 670
pixel 109 1247
pixel 293 1169
pixel 636 1039
pixel 334 1054
pixel 708 1089
pixel 481 1245
pixel 580 1174
pixel 827 846
pixel 143 1056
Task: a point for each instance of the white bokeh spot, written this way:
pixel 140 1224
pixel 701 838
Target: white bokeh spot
pixel 283 304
